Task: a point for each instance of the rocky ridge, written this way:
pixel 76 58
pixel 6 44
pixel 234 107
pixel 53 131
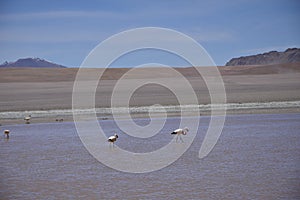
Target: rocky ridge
pixel 291 55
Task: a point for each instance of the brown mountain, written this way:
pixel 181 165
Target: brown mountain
pixel 291 55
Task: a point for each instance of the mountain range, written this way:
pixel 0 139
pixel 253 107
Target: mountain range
pixel 291 55
pixel 32 62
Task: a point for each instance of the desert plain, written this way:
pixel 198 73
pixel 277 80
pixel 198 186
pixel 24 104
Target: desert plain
pixel 31 89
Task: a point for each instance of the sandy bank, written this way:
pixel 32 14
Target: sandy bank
pixel 31 89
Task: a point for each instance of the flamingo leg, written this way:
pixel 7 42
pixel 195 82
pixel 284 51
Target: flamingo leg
pixel 181 138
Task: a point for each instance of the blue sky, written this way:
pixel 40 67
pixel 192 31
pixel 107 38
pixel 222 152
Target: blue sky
pixel 66 31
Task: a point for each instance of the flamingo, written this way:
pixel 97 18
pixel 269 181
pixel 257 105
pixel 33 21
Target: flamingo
pixel 59 120
pixel 6 132
pixel 179 132
pixel 112 139
pixel 27 119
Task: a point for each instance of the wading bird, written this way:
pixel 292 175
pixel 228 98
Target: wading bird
pixel 6 133
pixel 179 132
pixel 27 119
pixel 59 120
pixel 112 139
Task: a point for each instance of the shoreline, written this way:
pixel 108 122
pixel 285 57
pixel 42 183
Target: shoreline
pixel 47 94
pixel 66 115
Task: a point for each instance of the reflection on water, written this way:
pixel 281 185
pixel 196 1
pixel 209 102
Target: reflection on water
pixel 257 157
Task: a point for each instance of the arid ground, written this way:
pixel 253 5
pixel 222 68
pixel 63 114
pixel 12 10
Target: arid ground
pixel 26 89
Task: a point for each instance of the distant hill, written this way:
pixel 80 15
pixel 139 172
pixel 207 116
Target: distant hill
pixel 32 62
pixel 291 55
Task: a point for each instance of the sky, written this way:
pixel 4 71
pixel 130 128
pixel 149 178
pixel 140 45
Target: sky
pixel 65 31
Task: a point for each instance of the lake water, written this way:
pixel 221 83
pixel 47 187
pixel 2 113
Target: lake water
pixel 256 157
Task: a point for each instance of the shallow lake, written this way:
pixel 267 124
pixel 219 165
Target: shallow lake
pixel 256 157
